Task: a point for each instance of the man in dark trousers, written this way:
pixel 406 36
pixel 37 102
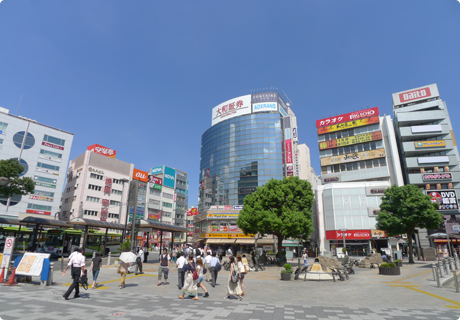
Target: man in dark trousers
pixel 212 265
pixel 77 264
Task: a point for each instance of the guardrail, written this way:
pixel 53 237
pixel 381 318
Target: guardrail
pixel 443 268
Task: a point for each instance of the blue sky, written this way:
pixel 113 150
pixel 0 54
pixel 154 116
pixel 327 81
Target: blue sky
pixel 141 76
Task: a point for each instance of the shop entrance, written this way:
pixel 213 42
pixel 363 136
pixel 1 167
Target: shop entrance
pixel 354 247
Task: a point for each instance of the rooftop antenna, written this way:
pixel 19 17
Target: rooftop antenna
pixel 18 105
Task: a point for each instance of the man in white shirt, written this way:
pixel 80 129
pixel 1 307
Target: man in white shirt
pixel 164 266
pixel 139 261
pixel 206 265
pixel 181 261
pixel 77 264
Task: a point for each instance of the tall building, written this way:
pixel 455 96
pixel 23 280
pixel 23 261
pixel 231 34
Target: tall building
pixel 428 150
pixel 359 160
pixel 43 151
pixel 97 186
pixel 252 139
pixel 168 199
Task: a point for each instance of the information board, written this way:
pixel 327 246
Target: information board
pixel 31 264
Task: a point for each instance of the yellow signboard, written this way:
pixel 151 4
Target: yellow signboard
pixel 226 235
pixel 430 144
pixel 222 215
pixel 453 137
pixel 350 124
pixel 379 234
pixel 351 157
pixel 361 138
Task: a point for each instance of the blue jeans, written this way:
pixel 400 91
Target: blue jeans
pixel 200 279
pixel 306 261
pixel 95 274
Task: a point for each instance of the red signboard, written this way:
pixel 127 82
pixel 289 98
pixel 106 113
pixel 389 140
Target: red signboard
pixel 349 235
pixel 140 175
pixel 97 148
pixel 288 151
pixel 366 113
pixel 39 212
pixel 51 145
pixel 192 212
pixel 415 94
pixel 155 180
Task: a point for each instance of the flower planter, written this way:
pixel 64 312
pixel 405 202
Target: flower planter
pixel 399 264
pixel 390 271
pixel 286 276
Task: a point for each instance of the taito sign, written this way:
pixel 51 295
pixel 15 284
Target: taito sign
pixel 422 93
pixel 97 148
pixel 366 113
pixel 140 175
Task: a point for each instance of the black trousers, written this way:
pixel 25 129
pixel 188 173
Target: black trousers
pixel 181 275
pixel 76 272
pixel 214 276
pixel 138 267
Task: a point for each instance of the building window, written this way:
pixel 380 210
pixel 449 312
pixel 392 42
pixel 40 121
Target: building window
pixel 92 199
pixel 152 201
pixel 19 137
pixel 38 207
pixel 47 166
pixel 53 140
pixel 181 199
pixel 115 203
pixel 25 165
pixel 66 200
pixel 96 176
pixel 68 189
pixel 3 126
pixel 181 191
pixel 90 213
pixel 168 195
pixel 44 193
pixel 166 214
pixel 93 187
pixel 50 154
pixel 113 215
pixel 117 192
pixel 167 205
pixel 117 181
pixel 155 192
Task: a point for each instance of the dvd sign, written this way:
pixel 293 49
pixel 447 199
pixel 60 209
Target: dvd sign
pixel 447 200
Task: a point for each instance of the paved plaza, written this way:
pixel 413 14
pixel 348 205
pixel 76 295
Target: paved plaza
pixel 367 295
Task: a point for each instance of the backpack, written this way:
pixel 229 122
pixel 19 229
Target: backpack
pixel 218 266
pixel 195 274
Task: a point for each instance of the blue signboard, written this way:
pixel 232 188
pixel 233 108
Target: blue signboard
pixel 156 170
pixel 169 177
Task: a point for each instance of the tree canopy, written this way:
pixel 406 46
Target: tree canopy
pixel 17 185
pixel 404 209
pixel 280 207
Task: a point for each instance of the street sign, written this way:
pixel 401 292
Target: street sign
pixel 7 252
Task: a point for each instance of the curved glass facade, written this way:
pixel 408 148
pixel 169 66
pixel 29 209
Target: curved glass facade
pixel 237 156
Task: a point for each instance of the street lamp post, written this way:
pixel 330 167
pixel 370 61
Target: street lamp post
pixel 343 234
pixel 298 249
pixel 257 236
pixel 448 242
pixel 123 181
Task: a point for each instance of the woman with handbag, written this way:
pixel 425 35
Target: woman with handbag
pixel 242 270
pixel 199 266
pixel 190 287
pixel 234 281
pixel 123 270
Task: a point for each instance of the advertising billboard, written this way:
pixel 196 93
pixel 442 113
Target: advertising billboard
pixel 437 176
pixel 361 138
pixel 348 125
pixel 156 170
pixel 288 151
pixel 295 136
pixel 447 200
pixel 169 177
pixel 155 180
pixel 264 97
pixel 355 115
pixel 418 94
pixel 351 157
pixel 140 175
pixel 97 148
pixel 264 107
pixel 231 108
pixel 430 144
pixel 349 235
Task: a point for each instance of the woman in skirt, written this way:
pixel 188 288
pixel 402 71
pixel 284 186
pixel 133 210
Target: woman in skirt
pixel 233 288
pixel 190 287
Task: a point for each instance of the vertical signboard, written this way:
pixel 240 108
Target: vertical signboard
pixel 295 136
pixel 169 177
pixel 288 151
pixel 7 252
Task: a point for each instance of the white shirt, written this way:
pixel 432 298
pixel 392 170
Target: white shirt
pixel 207 259
pixel 180 262
pixel 240 266
pixel 77 260
pixel 305 256
pixel 213 262
pixel 230 251
pixel 72 254
pixel 140 254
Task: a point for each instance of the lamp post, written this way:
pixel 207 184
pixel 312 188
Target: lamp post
pixel 123 181
pixel 447 235
pixel 257 236
pixel 298 248
pixel 343 234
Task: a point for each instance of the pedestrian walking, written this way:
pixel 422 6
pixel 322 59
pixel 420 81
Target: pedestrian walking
pixel 213 266
pixel 233 288
pixel 181 261
pixel 242 271
pixel 191 285
pixel 199 266
pixel 207 266
pixel 163 269
pixel 139 260
pixel 96 267
pixel 229 251
pixel 305 258
pixel 123 271
pixel 77 262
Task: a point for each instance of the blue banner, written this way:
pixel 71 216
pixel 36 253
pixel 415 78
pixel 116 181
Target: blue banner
pixel 169 177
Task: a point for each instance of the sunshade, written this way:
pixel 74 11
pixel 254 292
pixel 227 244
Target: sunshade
pixel 128 257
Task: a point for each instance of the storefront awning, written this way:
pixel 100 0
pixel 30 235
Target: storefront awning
pixel 265 241
pixel 212 241
pixel 245 241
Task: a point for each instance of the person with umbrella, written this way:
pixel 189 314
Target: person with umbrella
pixel 125 259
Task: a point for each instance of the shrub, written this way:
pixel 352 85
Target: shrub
pixel 398 261
pixel 388 265
pixel 126 246
pixel 344 250
pixel 287 268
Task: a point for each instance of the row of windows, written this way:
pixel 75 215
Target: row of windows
pixel 47 166
pixel 115 203
pixel 215 146
pixel 430 169
pixel 180 199
pixel 181 183
pixel 271 148
pixel 94 187
pixel 168 195
pixel 90 213
pixel 351 149
pixel 155 192
pixel 367 164
pixel 153 201
pixel 117 192
pixel 51 139
pixel 96 176
pixel 43 179
pixel 50 153
pixel 165 214
pixel 167 205
pixel 117 181
pixel 113 215
pixel 38 207
pixel 434 154
pixel 44 193
pixel 92 199
pixel 348 133
pixel 237 132
pixel 254 157
pixel 181 190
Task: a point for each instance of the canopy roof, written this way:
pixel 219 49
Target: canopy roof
pixel 96 223
pixel 44 222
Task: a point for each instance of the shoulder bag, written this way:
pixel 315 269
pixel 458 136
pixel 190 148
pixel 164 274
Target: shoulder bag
pixel 194 274
pixel 235 277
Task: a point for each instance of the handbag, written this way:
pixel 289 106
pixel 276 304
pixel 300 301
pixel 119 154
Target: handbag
pixel 121 269
pixel 205 270
pixel 218 266
pixel 194 274
pixel 235 277
pixel 245 269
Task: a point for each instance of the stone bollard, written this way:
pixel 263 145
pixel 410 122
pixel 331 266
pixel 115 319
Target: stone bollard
pixel 451 265
pixel 438 283
pixel 62 264
pixel 456 263
pixel 108 259
pixel 49 282
pixel 446 265
pixel 441 269
pixel 434 271
pixel 456 282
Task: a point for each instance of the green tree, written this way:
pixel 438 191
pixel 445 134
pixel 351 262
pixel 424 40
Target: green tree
pixel 404 209
pixel 280 207
pixel 11 169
